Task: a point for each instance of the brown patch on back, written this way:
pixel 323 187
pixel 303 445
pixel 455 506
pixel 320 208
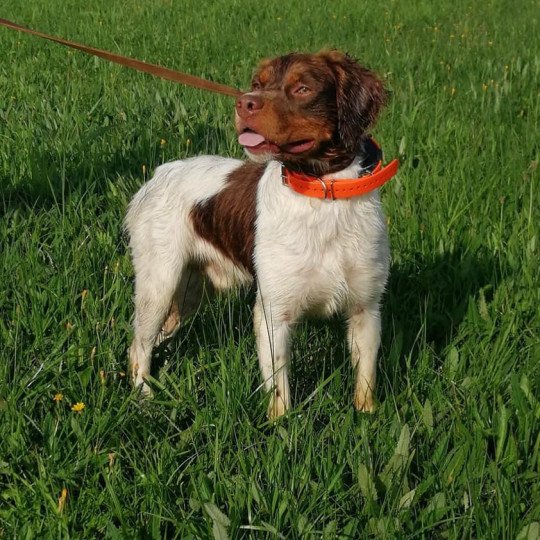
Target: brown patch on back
pixel 227 220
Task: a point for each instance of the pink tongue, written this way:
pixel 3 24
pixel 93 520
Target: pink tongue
pixel 250 139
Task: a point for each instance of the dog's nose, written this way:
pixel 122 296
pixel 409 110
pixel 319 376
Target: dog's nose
pixel 248 104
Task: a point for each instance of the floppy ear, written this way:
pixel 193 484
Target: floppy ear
pixel 360 95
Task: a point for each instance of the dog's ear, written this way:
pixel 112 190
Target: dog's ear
pixel 360 95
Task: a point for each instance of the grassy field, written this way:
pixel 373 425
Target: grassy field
pixel 453 450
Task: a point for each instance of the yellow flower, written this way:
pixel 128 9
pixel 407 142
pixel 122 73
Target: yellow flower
pixel 78 407
pixel 62 499
pixel 58 397
pixel 162 142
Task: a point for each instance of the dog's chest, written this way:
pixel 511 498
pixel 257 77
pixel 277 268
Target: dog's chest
pixel 323 254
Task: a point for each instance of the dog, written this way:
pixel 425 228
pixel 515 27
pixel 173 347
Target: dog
pixel 275 220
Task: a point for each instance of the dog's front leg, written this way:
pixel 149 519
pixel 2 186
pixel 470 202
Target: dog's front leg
pixel 272 332
pixel 364 336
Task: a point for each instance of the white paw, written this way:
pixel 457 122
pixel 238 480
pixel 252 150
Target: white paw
pixel 277 407
pixel 140 384
pixel 363 402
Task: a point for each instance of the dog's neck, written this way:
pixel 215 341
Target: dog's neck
pixel 334 159
pixel 318 167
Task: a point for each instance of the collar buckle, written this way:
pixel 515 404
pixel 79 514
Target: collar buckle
pixel 328 188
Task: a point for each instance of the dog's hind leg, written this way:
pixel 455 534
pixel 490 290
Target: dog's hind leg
pixel 185 302
pixel 155 289
pixel 364 336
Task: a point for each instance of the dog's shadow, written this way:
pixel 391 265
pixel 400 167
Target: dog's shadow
pixel 425 303
pixel 56 175
pixel 425 297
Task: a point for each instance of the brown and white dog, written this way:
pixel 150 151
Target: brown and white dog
pixel 232 222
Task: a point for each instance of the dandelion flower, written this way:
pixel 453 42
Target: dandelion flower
pixel 78 407
pixel 58 397
pixel 62 499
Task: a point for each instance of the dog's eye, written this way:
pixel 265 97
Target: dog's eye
pixel 256 85
pixel 302 89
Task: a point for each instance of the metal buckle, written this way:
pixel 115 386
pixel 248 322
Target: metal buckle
pixel 323 184
pixel 332 195
pixel 326 191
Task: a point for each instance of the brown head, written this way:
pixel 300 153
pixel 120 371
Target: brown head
pixel 310 111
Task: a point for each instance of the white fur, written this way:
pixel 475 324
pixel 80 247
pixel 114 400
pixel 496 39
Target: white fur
pixel 311 256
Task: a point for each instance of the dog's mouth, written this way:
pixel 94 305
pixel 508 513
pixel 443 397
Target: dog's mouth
pixel 257 144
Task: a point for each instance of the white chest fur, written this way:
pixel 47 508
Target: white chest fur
pixel 319 256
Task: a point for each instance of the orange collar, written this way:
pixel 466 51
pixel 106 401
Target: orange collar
pixel 346 188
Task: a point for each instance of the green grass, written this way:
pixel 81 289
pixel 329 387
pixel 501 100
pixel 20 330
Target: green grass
pixel 453 450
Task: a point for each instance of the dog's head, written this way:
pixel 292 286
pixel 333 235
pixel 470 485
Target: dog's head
pixel 308 109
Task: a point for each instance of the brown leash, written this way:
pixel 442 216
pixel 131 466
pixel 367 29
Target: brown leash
pixel 153 69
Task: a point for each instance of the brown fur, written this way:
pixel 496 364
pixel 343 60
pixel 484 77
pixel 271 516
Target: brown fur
pixel 360 95
pixel 227 220
pixel 343 101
